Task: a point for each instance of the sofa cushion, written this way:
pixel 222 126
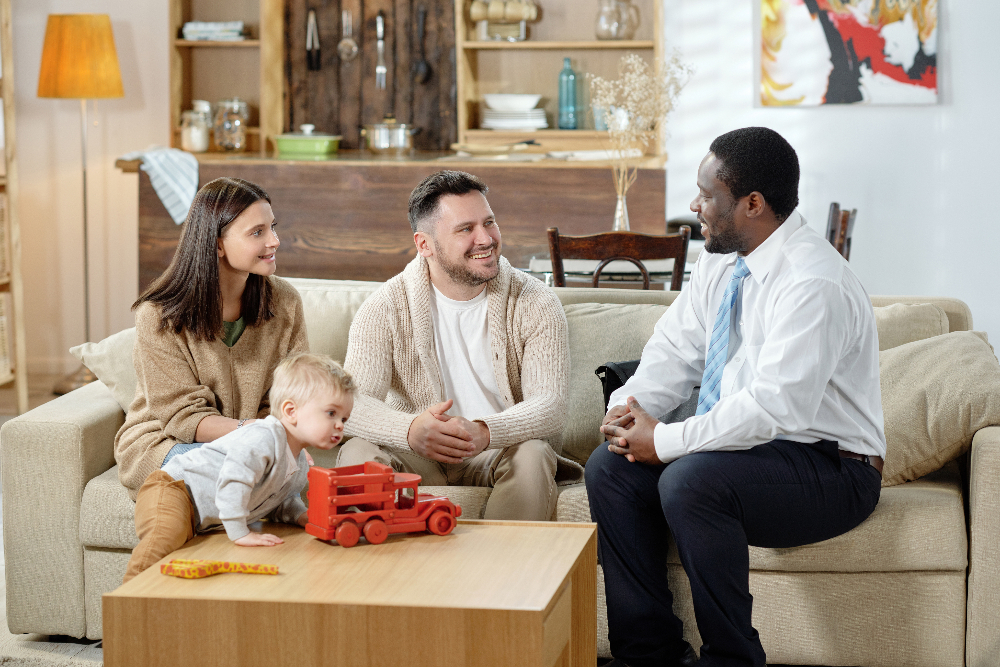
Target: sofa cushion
pixel 111 361
pixel 330 306
pixel 598 333
pixel 107 515
pixel 936 393
pixel 900 323
pixel 917 526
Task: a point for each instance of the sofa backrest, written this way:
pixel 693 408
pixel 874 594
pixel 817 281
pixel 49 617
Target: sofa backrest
pixel 604 325
pixel 609 325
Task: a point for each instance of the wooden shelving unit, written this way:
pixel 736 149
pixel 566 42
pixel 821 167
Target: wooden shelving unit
pixel 565 29
pixel 250 69
pixel 527 45
pixel 192 43
pixel 13 367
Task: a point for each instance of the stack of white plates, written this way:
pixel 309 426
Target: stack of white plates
pixel 529 119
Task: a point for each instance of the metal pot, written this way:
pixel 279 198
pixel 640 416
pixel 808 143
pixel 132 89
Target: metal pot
pixel 389 137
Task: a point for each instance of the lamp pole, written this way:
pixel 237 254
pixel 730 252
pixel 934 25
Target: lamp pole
pixel 86 252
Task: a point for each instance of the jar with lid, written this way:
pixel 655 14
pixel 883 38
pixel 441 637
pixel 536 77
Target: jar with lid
pixel 231 118
pixel 194 128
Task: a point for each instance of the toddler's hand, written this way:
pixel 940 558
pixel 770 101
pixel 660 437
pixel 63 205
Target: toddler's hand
pixel 258 540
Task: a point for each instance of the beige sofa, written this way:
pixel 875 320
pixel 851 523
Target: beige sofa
pixel 904 588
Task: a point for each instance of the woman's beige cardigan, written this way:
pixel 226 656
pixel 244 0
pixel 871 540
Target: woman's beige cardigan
pixel 182 380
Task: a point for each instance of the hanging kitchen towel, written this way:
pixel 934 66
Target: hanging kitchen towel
pixel 174 175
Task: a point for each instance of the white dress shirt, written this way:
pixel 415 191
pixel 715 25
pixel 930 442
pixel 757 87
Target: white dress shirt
pixel 802 360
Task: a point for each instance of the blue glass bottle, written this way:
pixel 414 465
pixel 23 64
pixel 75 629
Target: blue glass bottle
pixel 567 97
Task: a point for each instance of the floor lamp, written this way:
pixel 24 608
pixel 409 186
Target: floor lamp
pixel 79 61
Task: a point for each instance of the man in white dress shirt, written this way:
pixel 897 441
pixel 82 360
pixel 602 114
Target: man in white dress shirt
pixel 786 447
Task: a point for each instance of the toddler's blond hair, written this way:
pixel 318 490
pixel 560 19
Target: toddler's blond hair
pixel 301 376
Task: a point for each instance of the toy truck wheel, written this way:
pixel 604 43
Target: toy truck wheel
pixel 347 534
pixel 375 531
pixel 440 522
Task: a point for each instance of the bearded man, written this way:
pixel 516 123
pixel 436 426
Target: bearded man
pixel 462 362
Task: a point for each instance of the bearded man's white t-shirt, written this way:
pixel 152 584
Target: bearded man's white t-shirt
pixel 462 342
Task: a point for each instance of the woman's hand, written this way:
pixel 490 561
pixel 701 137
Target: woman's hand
pixel 214 427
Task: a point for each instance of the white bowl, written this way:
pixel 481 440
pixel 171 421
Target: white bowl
pixel 509 102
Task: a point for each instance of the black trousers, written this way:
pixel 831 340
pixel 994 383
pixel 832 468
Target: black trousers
pixel 778 494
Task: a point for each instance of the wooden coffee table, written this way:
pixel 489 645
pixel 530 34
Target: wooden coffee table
pixel 491 593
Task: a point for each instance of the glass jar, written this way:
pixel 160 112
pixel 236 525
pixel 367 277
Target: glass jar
pixel 616 19
pixel 608 19
pixel 629 17
pixel 231 118
pixel 194 131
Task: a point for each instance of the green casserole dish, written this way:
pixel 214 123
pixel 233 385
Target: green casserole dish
pixel 307 143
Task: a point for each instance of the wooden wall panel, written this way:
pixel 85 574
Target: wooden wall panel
pixel 341 96
pixel 347 220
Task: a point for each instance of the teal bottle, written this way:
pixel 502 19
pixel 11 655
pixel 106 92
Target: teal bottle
pixel 567 97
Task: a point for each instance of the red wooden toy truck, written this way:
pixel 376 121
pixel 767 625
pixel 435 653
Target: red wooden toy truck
pixel 374 499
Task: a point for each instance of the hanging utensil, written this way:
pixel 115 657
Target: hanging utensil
pixel 347 49
pixel 380 69
pixel 313 59
pixel 421 68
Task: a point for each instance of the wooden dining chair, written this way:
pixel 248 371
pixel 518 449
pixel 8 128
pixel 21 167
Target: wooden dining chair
pixel 613 246
pixel 839 228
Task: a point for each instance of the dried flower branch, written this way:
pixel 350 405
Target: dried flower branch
pixel 636 105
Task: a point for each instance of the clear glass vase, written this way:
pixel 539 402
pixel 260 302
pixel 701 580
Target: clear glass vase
pixel 621 216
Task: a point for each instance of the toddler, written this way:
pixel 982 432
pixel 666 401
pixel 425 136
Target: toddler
pixel 254 472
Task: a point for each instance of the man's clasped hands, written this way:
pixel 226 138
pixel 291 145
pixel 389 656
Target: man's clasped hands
pixel 438 436
pixel 629 430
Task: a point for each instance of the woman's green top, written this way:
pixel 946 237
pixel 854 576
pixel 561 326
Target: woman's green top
pixel 231 331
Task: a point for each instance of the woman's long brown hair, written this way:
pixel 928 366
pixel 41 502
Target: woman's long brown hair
pixel 188 292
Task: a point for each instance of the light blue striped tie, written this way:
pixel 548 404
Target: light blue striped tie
pixel 715 359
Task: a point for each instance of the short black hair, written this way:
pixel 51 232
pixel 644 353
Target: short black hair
pixel 425 197
pixel 759 159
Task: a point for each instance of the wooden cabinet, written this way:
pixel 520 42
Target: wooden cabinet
pixel 565 29
pixel 12 341
pixel 342 95
pixel 251 69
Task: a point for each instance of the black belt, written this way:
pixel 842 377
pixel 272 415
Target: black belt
pixel 874 461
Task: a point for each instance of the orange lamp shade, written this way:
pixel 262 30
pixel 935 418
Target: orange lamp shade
pixel 79 58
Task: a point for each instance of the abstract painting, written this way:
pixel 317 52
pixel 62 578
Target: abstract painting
pixel 848 52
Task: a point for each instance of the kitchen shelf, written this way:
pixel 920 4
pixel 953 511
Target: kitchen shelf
pixel 251 69
pixel 528 45
pixel 566 30
pixel 255 43
pixel 544 133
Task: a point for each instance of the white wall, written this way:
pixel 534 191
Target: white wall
pixel 922 178
pixel 49 163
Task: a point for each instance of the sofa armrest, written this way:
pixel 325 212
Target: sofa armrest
pixel 982 643
pixel 48 455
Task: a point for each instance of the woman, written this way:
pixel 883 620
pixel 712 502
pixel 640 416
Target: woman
pixel 209 331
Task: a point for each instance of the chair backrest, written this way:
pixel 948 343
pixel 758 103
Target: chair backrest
pixel 839 228
pixel 611 246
